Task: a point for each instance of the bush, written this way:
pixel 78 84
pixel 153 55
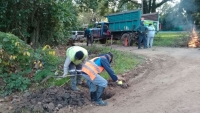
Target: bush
pixel 41 74
pixel 19 63
pixel 15 60
pixel 15 82
pixel 14 54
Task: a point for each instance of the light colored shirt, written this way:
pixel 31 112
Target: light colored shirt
pixel 151 31
pixel 67 62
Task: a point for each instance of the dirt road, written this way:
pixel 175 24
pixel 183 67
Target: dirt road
pixel 169 84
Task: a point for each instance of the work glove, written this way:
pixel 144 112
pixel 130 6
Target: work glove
pixel 119 82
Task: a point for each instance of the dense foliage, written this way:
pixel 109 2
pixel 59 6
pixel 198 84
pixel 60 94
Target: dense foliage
pixel 119 5
pixel 20 65
pixel 38 21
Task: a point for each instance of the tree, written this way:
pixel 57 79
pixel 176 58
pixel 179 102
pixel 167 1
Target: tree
pixel 89 15
pixel 171 18
pixel 197 16
pixel 38 21
pixel 191 9
pixel 185 15
pixel 149 6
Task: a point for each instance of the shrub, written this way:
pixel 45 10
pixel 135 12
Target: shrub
pixel 15 55
pixel 19 62
pixel 15 82
pixel 15 60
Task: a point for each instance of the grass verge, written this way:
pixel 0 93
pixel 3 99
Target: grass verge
pixel 122 62
pixel 171 39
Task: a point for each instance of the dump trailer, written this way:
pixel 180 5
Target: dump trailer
pixel 123 26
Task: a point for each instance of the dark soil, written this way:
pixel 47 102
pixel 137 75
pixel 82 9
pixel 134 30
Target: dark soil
pixel 52 99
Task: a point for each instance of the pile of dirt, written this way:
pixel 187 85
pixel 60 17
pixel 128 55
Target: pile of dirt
pixel 50 100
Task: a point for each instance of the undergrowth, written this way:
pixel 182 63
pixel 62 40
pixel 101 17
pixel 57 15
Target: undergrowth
pixel 21 65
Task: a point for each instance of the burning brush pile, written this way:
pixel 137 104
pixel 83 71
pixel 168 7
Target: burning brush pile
pixel 194 40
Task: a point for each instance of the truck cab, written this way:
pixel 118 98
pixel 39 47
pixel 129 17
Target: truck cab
pixel 101 32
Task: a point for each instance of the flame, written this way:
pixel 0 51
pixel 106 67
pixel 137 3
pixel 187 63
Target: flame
pixel 194 40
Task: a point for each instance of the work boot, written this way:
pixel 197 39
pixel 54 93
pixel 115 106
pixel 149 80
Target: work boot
pixel 78 79
pixel 99 101
pixel 73 83
pixel 93 96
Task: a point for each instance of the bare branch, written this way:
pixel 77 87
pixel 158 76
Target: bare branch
pixel 125 1
pixel 162 2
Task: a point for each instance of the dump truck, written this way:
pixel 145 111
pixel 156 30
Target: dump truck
pixel 123 26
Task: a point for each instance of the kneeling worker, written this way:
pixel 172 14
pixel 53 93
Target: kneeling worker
pixel 91 70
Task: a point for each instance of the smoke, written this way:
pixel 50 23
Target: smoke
pixel 181 15
pixel 188 8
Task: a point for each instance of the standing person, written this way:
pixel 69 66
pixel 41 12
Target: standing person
pixel 150 35
pixel 142 30
pixel 91 70
pixel 76 56
pixel 88 35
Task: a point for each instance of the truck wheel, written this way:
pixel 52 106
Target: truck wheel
pixel 102 41
pixel 134 39
pixel 131 42
pixel 125 39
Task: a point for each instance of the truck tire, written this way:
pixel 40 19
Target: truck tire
pixel 134 38
pixel 126 39
pixel 102 41
pixel 131 42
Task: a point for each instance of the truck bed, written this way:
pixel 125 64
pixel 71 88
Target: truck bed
pixel 125 21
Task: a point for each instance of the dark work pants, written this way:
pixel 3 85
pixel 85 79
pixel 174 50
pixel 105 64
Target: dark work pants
pixel 74 78
pixel 142 38
pixel 89 40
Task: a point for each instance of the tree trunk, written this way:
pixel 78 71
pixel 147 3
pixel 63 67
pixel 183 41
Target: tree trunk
pixel 35 35
pixel 145 7
pixel 153 8
pixel 149 6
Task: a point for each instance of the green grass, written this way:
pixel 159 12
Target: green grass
pixel 165 39
pixel 58 82
pixel 122 61
pixel 171 39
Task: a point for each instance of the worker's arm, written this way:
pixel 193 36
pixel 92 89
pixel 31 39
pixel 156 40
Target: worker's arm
pixel 139 30
pixel 66 66
pixel 109 70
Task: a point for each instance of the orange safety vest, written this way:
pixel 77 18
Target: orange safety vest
pixel 91 69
